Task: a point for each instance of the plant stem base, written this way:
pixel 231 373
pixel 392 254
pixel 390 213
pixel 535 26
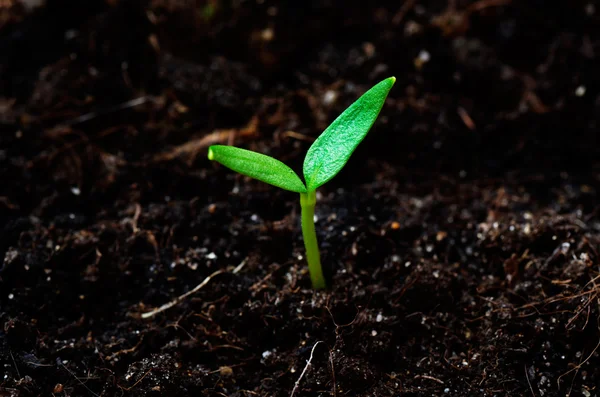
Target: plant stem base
pixel 313 257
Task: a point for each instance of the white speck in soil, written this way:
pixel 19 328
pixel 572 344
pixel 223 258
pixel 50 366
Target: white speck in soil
pixel 211 256
pixel 379 318
pixel 373 333
pixel 75 190
pixel 71 34
pixel 580 91
pixel 267 34
pixel 590 9
pixel 10 296
pixel 585 392
pixel 329 97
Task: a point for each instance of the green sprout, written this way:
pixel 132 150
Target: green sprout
pixel 325 158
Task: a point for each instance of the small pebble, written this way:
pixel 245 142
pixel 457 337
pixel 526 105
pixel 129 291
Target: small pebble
pixel 329 97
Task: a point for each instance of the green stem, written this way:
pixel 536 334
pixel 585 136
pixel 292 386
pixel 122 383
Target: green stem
pixel 307 203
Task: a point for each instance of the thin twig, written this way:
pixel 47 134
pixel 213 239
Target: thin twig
pixel 297 384
pixel 404 9
pixel 298 136
pixel 136 382
pixel 136 217
pixel 192 147
pixel 441 382
pixel 91 115
pixel 197 288
pixel 182 297
pixel 529 382
pixel 78 380
pixel 15 363
pixel 577 367
pixel 332 373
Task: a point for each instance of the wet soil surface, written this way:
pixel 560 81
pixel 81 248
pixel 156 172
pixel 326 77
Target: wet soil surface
pixel 460 242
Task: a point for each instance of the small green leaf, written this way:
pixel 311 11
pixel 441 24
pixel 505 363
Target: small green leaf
pixel 332 149
pixel 258 166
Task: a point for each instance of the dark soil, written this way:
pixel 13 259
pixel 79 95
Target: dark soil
pixel 461 241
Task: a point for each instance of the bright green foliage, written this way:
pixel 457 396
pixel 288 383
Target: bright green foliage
pixel 258 166
pixel 331 151
pixel 325 158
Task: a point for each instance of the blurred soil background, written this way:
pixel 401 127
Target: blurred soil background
pixel 461 241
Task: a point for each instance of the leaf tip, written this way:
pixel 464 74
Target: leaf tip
pixel 392 79
pixel 211 154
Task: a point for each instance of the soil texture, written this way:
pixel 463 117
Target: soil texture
pixel 461 242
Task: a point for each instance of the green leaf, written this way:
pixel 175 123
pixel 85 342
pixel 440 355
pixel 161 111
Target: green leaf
pixel 332 149
pixel 258 166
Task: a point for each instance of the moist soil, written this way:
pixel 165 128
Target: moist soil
pixel 460 242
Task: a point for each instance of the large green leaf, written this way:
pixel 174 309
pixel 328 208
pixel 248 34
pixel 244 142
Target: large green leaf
pixel 332 150
pixel 258 166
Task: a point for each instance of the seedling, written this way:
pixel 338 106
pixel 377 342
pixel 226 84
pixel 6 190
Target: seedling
pixel 325 158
